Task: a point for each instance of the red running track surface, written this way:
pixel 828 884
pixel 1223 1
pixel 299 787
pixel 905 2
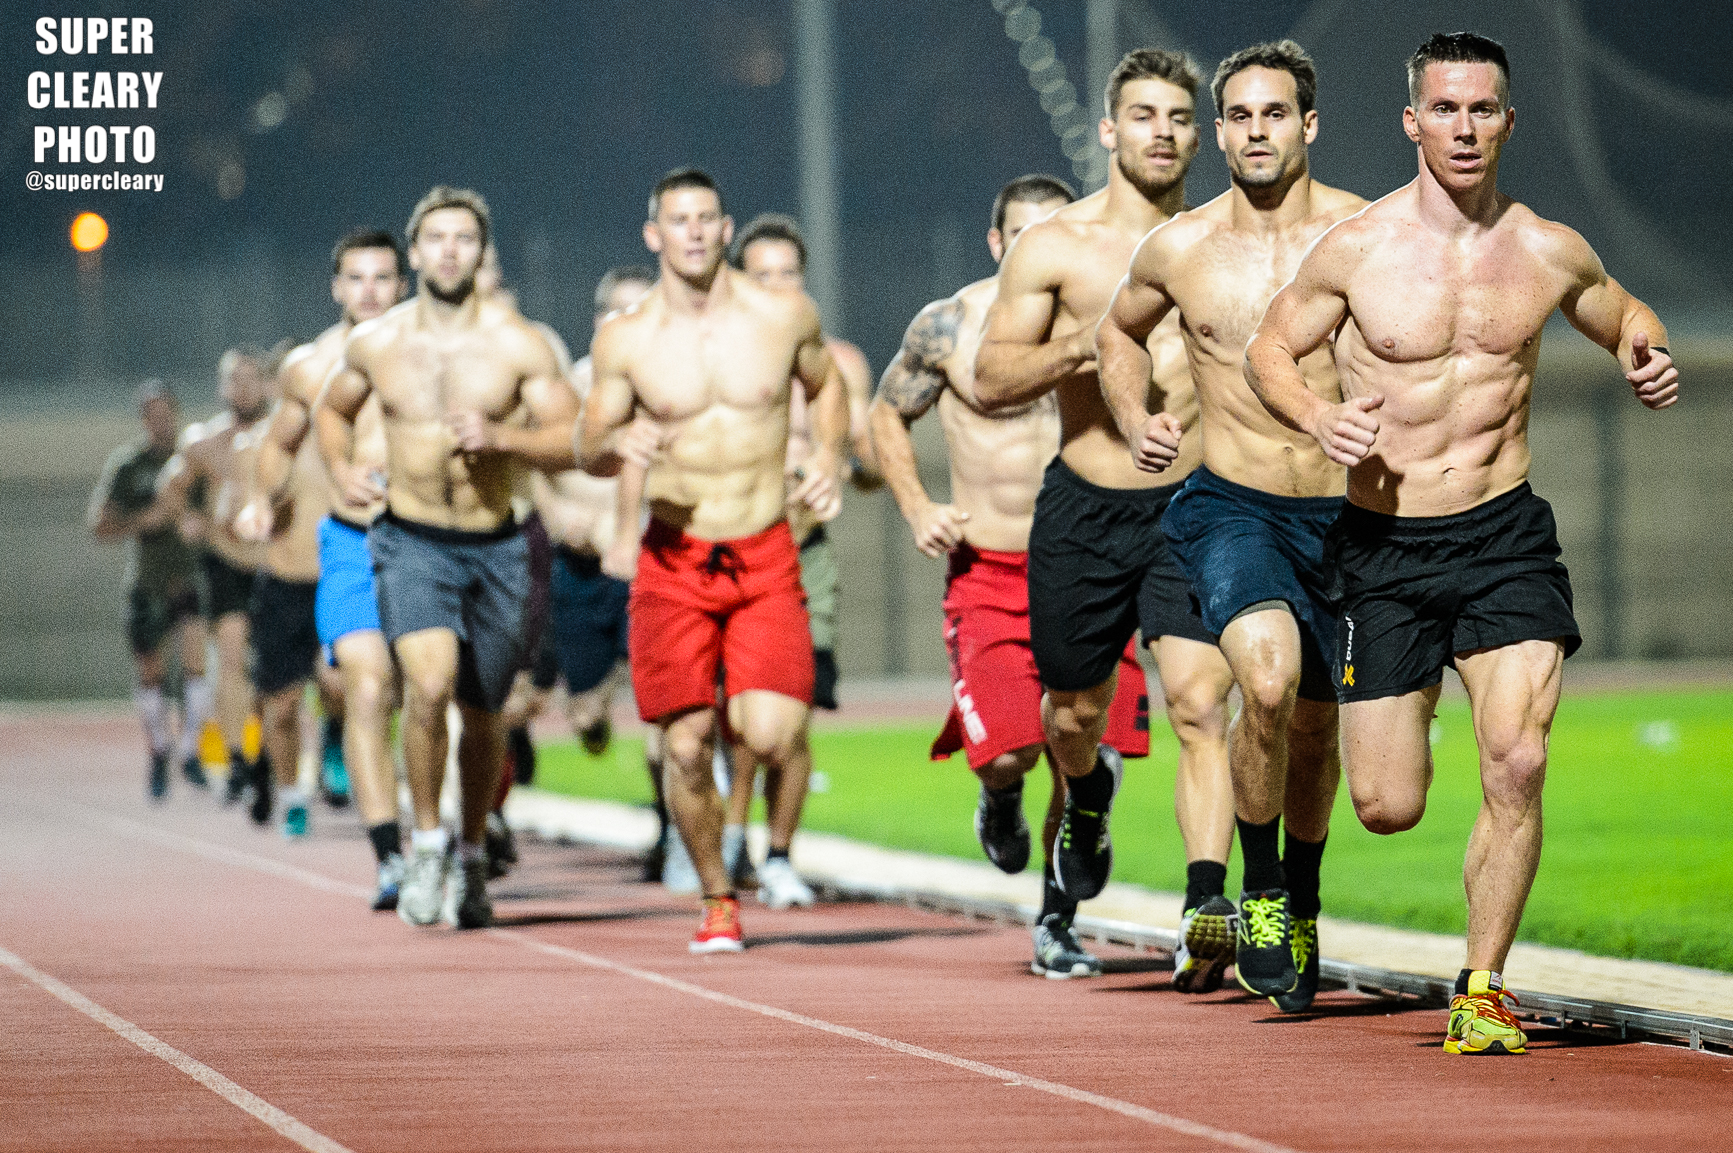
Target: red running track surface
pixel 276 1012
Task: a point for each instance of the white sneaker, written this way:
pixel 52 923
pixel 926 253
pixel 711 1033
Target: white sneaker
pixel 467 905
pixel 678 874
pixel 423 889
pixel 779 886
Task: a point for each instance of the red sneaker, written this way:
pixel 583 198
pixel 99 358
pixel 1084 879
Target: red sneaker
pixel 720 932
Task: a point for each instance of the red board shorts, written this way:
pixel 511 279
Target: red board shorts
pixel 995 690
pixel 696 603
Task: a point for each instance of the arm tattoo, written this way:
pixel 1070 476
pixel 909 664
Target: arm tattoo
pixel 912 382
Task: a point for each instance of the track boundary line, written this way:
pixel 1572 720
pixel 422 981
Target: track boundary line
pixel 267 865
pixel 243 1099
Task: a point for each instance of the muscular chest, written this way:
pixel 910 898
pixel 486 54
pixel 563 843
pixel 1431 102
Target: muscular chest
pixel 731 359
pixel 1224 290
pixel 428 376
pixel 1089 284
pixel 1417 302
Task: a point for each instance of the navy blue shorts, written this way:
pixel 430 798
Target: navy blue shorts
pixel 1239 546
pixel 589 619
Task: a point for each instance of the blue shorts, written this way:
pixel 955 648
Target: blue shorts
pixel 588 626
pixel 345 602
pixel 1240 546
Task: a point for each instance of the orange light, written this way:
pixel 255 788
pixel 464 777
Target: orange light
pixel 89 232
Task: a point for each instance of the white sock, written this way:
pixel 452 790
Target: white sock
pixel 153 711
pixel 199 699
pixel 467 852
pixel 429 840
pixel 293 796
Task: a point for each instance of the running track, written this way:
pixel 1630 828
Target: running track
pixel 171 978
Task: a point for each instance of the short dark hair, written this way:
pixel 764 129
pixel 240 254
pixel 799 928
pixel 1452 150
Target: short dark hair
pixel 445 196
pixel 684 178
pixel 769 226
pixel 1150 64
pixel 614 277
pixel 366 238
pixel 1457 48
pixel 1277 55
pixel 155 388
pixel 1035 188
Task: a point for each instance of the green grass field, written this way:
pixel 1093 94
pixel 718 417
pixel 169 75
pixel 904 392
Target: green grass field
pixel 1639 822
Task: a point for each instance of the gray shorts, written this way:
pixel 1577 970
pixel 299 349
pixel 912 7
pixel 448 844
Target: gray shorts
pixel 475 584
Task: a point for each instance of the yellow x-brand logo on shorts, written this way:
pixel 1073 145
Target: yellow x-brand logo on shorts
pixel 1348 675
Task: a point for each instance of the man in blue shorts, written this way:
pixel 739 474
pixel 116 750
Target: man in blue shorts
pixel 1248 527
pixel 367 278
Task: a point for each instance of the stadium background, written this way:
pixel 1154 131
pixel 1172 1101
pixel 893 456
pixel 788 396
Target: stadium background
pixel 282 126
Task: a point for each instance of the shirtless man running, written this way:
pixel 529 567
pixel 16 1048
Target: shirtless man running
pixel 1248 525
pixel 367 278
pixel 707 359
pixel 1099 567
pixel 1435 297
pixel 470 393
pixel 997 459
pixel 197 488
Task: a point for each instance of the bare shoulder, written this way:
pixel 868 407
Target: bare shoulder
pixel 1333 205
pixel 847 356
pixel 374 337
pixel 1557 245
pixel 618 333
pixel 304 370
pixel 932 334
pixel 1043 250
pixel 1168 244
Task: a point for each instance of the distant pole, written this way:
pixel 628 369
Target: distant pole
pixel 815 118
pixel 1610 436
pixel 1101 52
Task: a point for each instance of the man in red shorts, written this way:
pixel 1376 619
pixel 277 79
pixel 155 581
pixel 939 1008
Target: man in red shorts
pixel 693 383
pixel 997 459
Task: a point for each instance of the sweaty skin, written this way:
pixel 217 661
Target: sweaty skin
pixel 1436 296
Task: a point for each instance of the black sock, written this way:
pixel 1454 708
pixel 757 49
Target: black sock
pixel 1093 791
pixel 1300 867
pixel 775 854
pixel 387 838
pixel 1010 792
pixel 333 732
pixel 1053 900
pixel 1263 859
pixel 1203 880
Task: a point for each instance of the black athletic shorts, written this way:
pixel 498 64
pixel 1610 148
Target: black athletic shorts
pixel 1100 570
pixel 1414 591
pixel 152 614
pixel 285 638
pixel 227 589
pixel 477 584
pixel 589 626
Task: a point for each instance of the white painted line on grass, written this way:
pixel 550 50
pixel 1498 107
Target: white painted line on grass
pixel 517 937
pixel 242 1099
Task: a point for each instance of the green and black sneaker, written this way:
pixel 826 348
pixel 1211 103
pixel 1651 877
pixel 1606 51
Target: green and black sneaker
pixel 1299 998
pixel 1264 949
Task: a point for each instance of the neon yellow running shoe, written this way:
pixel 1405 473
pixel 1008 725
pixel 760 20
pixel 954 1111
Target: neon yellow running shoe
pixel 1479 1022
pixel 1300 997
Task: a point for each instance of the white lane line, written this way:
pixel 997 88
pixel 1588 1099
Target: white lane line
pixel 1007 1076
pixel 242 1099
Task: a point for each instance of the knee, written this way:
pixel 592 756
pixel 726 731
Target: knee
pixel 1196 710
pixel 684 747
pixel 1385 811
pixel 364 695
pixel 428 692
pixel 1269 695
pixel 775 746
pixel 1513 768
pixel 1007 768
pixel 1076 714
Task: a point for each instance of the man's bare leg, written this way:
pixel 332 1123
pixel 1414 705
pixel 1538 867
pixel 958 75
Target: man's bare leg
pixel 689 784
pixel 742 784
pixel 1514 691
pixel 198 697
pixel 480 757
pixel 429 660
pixel 772 730
pixel 1196 681
pixel 369 694
pixel 234 690
pixel 1074 723
pixel 280 716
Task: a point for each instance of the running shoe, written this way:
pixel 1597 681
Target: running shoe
pixel 333 774
pixel 1264 948
pixel 779 886
pixel 1299 998
pixel 236 786
pixel 295 821
pixel 467 905
pixel 736 859
pixel 597 737
pixel 158 776
pixel 1083 850
pixel 193 770
pixel 679 875
pixel 1002 831
pixel 1206 946
pixel 390 881
pixel 1480 1025
pixel 264 791
pixel 719 932
pixel 423 888
pixel 1058 956
pixel 501 846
